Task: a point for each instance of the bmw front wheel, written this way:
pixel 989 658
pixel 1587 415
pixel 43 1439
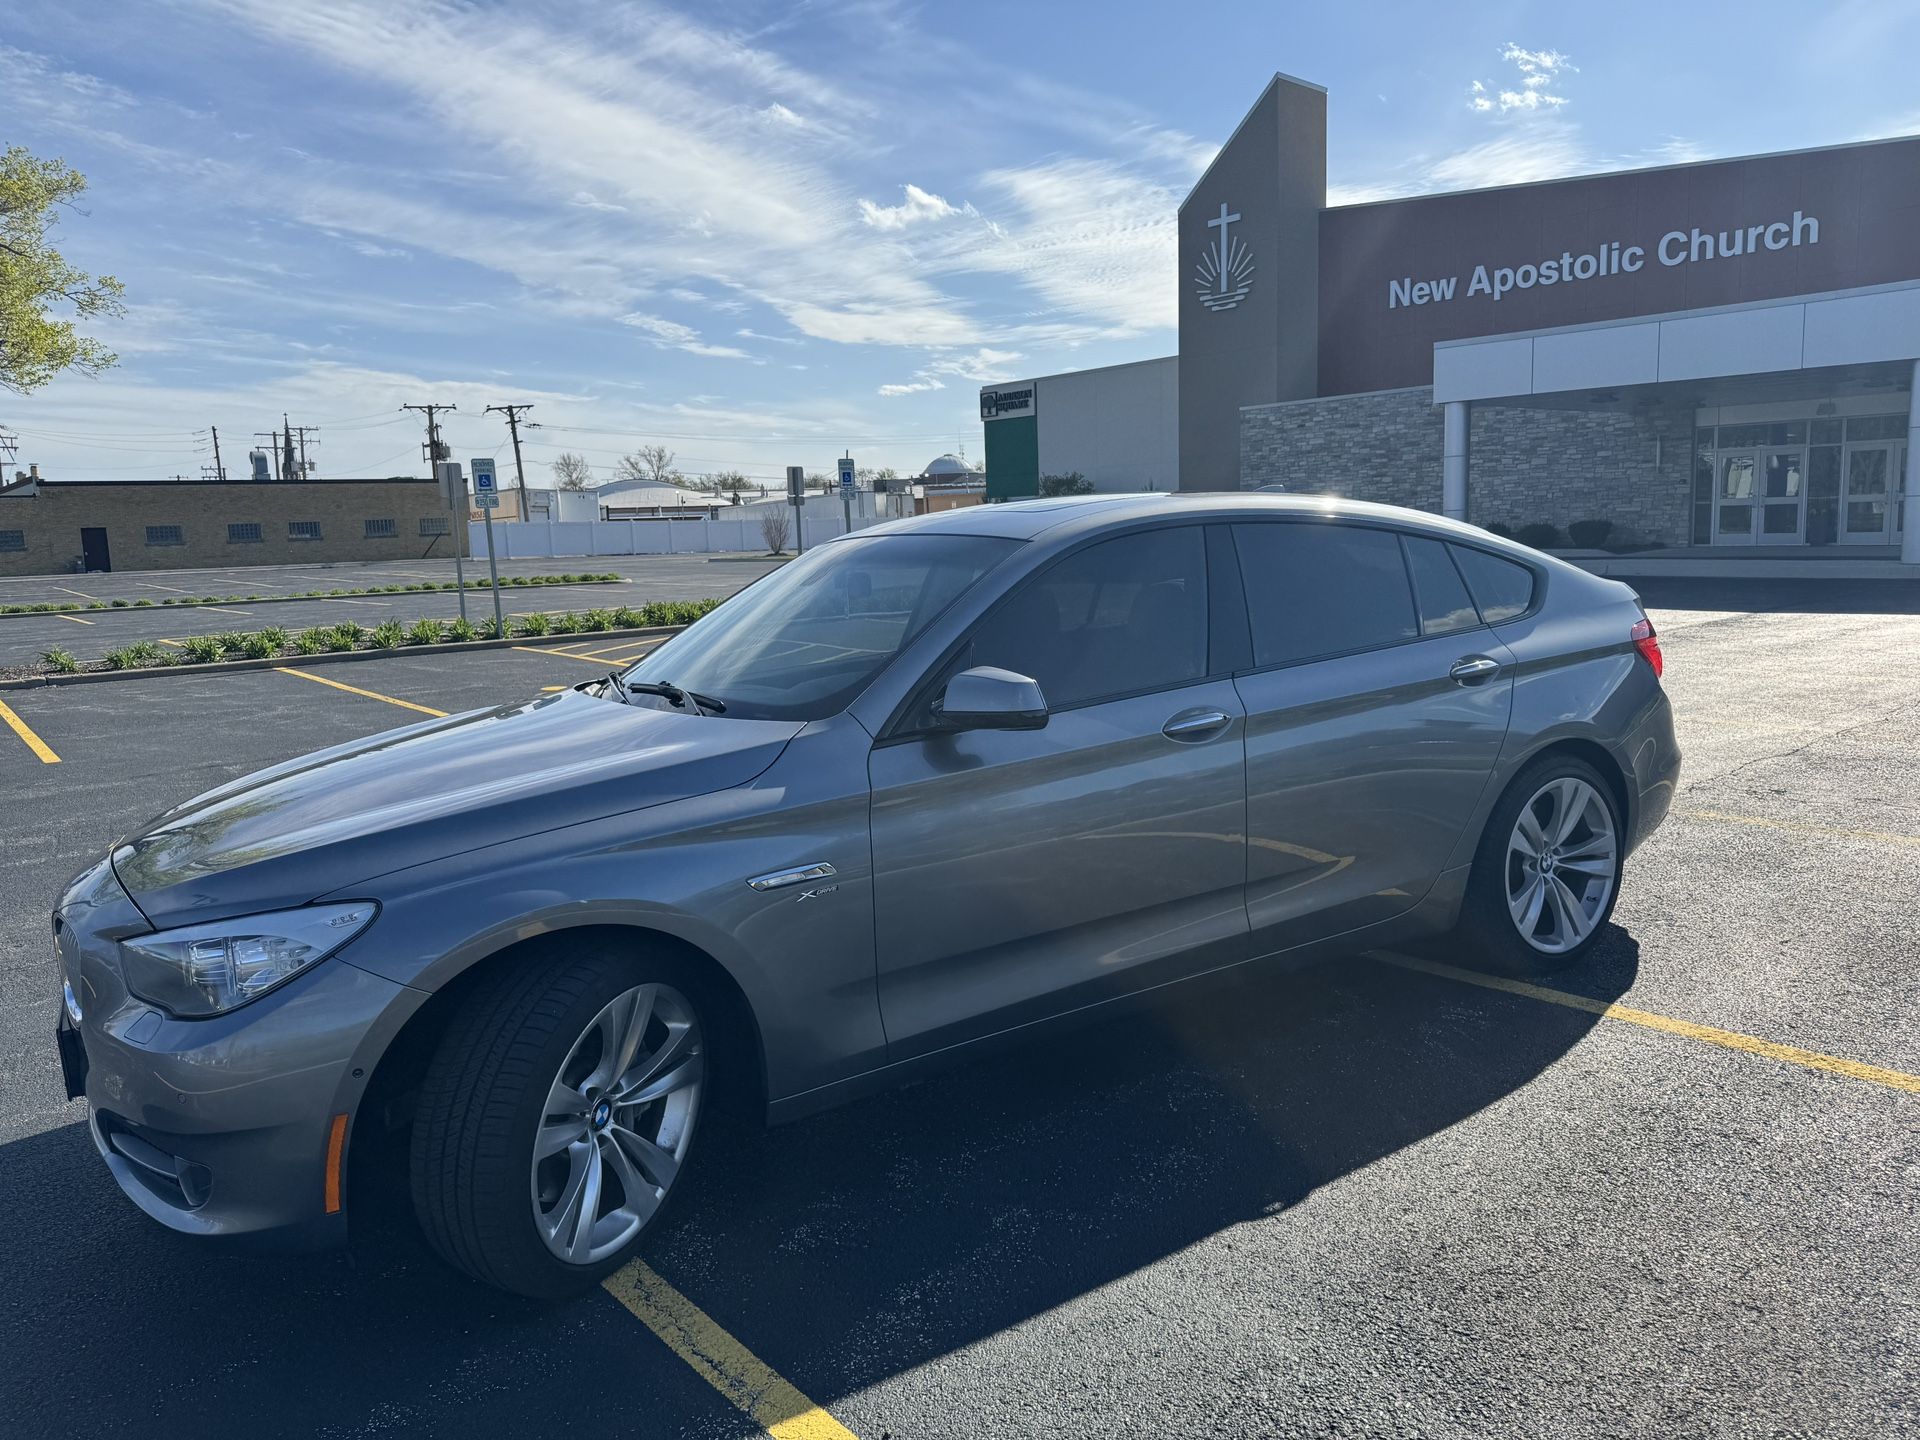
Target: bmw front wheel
pixel 556 1119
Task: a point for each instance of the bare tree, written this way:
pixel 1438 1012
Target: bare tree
pixel 571 472
pixel 651 462
pixel 776 529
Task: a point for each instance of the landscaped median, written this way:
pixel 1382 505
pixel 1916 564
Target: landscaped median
pixel 517 582
pixel 253 649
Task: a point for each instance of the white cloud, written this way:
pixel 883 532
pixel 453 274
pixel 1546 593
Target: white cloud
pixel 913 388
pixel 1540 71
pixel 587 200
pixel 673 335
pixel 984 363
pixel 920 205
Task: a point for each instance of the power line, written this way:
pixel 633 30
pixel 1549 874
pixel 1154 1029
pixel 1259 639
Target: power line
pixel 512 412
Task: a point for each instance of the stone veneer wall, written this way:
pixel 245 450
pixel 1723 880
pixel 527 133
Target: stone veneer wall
pixel 1527 464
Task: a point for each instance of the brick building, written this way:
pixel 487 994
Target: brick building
pixel 1721 357
pixel 45 525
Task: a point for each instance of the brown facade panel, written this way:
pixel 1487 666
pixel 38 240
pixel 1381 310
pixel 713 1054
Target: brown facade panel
pixel 1801 224
pixel 190 525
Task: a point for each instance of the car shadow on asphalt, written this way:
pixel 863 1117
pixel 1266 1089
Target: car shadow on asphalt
pixel 843 1250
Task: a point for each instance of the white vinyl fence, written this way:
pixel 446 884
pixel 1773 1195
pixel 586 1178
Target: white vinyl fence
pixel 520 539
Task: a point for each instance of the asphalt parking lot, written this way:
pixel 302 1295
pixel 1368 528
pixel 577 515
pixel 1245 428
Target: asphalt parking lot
pixel 89 634
pixel 1367 1200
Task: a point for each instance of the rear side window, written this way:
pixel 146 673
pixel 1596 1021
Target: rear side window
pixel 1122 617
pixel 1501 588
pixel 1438 590
pixel 1317 590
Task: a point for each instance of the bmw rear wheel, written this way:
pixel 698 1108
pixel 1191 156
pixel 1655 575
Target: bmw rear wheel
pixel 1548 869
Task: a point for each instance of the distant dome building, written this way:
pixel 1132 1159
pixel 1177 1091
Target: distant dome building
pixel 950 469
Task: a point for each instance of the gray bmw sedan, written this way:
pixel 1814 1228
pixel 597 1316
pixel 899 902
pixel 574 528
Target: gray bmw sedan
pixel 923 787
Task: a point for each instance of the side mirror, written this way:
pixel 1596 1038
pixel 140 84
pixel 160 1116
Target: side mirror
pixel 986 698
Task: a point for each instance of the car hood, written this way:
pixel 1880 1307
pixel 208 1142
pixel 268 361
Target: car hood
pixel 339 817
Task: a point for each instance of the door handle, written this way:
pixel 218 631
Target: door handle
pixel 1473 669
pixel 1195 724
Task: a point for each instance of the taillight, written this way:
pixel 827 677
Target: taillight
pixel 1648 644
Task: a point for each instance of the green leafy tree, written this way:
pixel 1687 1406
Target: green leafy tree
pixel 35 278
pixel 1071 483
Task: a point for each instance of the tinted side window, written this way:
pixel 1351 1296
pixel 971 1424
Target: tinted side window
pixel 1444 603
pixel 1501 588
pixel 1322 590
pixel 1119 617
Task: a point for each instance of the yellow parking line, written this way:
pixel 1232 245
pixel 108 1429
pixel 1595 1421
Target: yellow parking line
pixel 76 619
pixel 1709 1034
pixel 1798 827
pixel 551 650
pixel 719 1359
pixel 356 690
pixel 175 643
pixel 25 732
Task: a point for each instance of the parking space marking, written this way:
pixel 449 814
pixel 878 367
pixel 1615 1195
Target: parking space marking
pixel 1800 827
pixel 76 619
pixel 356 690
pixel 619 654
pixel 156 585
pixel 229 609
pixel 25 732
pixel 723 1362
pixel 175 643
pixel 1709 1034
pixel 81 593
pixel 545 650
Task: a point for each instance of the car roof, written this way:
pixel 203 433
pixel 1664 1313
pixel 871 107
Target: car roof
pixel 1074 515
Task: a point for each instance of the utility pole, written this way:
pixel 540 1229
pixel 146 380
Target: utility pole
pixel 434 454
pixel 303 431
pixel 286 440
pixel 513 412
pixel 219 470
pixel 272 437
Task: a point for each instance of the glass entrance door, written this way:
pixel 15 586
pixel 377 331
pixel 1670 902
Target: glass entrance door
pixel 1869 490
pixel 1736 497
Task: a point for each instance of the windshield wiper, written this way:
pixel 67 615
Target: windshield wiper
pixel 672 694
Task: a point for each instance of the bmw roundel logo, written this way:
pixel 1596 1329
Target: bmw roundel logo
pixel 603 1112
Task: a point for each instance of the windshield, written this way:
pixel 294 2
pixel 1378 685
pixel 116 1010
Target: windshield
pixel 800 644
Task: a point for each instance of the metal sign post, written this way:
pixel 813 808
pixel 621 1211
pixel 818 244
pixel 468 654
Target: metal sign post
pixel 489 497
pixel 797 498
pixel 846 494
pixel 453 485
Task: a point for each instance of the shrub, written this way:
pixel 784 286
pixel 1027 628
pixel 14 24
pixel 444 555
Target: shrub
pixel 1503 530
pixel 274 636
pixel 211 599
pixel 97 605
pixel 461 629
pixel 565 623
pixel 424 632
pixel 138 656
pixel 597 620
pixel 253 597
pixel 312 640
pixel 344 636
pixel 356 592
pixel 1539 536
pixel 59 661
pixel 142 604
pixel 628 619
pixel 117 604
pixel 1590 534
pixel 120 659
pixel 233 641
pixel 261 645
pixel 203 649
pixel 517 580
pixel 535 624
pixel 490 629
pixel 388 634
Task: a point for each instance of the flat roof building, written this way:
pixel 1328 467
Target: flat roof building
pixel 1718 355
pixel 49 527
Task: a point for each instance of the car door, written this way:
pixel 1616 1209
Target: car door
pixel 1376 708
pixel 1022 872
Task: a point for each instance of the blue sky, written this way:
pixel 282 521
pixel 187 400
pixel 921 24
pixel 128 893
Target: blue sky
pixel 761 233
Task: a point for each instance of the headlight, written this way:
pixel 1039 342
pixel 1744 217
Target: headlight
pixel 207 969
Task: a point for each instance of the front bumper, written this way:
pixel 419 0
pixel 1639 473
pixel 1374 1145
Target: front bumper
pixel 222 1126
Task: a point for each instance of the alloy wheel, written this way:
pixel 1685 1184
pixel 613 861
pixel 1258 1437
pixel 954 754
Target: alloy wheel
pixel 1561 864
pixel 618 1120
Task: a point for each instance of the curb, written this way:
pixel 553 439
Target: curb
pixel 157 607
pixel 333 657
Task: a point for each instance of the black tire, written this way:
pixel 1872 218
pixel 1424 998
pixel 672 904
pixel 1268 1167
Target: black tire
pixel 1487 930
pixel 484 1098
